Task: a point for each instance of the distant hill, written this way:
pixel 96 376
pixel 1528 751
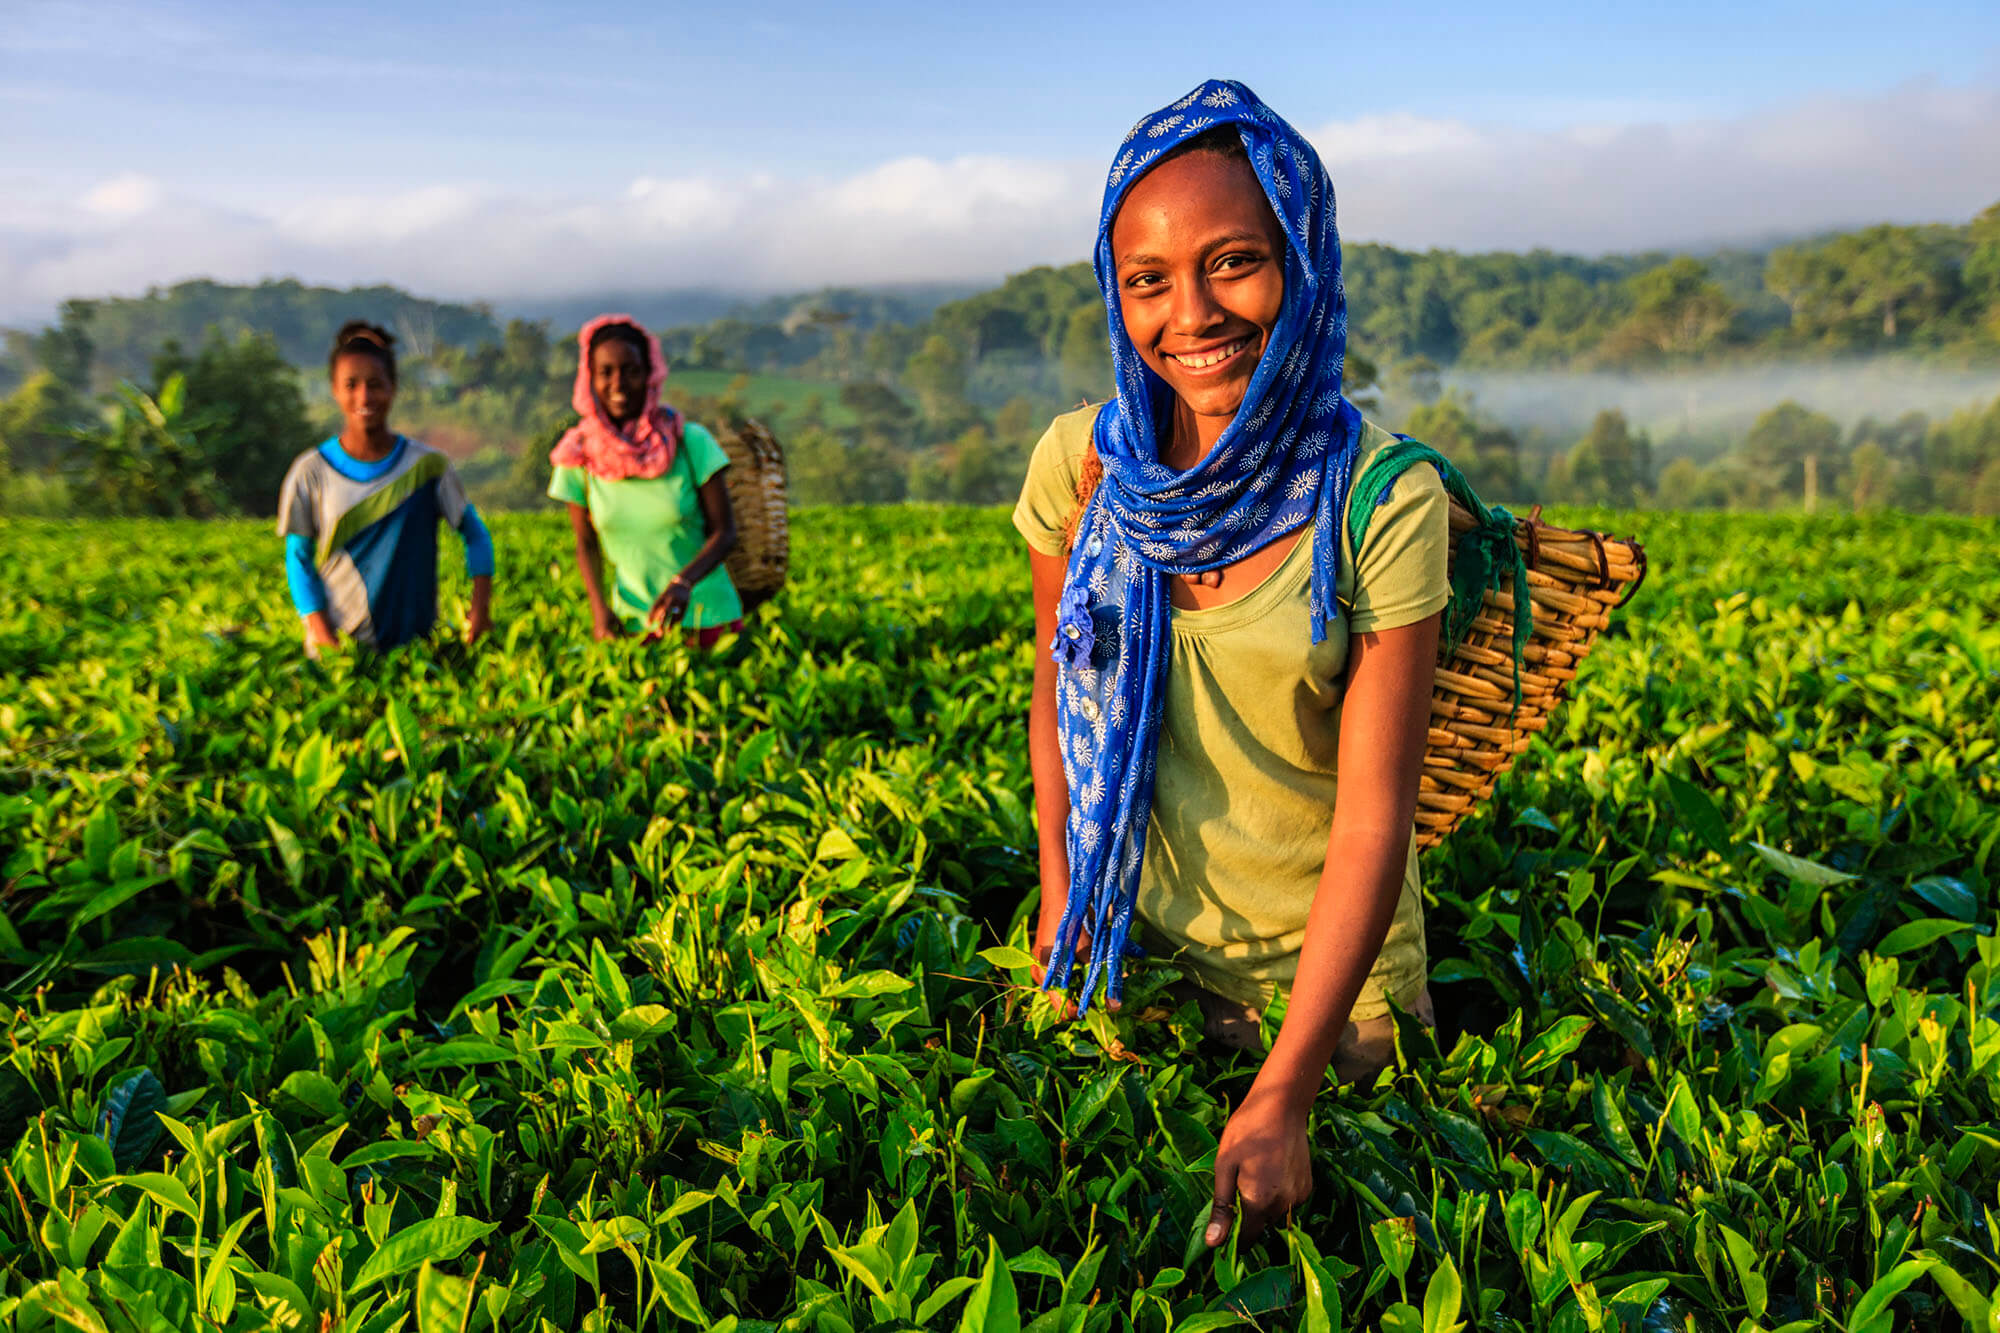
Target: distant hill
pixel 1930 290
pixel 863 307
pixel 126 332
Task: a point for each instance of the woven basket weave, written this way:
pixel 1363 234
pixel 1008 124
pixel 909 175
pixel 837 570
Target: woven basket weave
pixel 1575 580
pixel 756 481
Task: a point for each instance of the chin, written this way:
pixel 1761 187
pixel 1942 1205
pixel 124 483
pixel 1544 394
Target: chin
pixel 1213 400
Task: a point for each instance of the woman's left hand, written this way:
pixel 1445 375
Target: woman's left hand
pixel 1262 1165
pixel 478 624
pixel 670 606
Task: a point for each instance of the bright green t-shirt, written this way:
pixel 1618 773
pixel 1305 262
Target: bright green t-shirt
pixel 651 527
pixel 1245 782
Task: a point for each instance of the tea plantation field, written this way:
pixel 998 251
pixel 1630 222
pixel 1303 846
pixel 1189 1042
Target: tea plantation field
pixel 556 985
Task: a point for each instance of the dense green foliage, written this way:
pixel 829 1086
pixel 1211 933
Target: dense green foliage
pixel 564 982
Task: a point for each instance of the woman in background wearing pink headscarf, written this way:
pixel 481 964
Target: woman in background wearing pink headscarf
pixel 645 494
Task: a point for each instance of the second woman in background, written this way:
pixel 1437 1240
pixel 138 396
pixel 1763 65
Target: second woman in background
pixel 645 494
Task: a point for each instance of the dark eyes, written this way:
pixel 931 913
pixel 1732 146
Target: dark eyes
pixel 1226 262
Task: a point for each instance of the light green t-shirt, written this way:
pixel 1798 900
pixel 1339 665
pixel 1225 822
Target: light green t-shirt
pixel 1243 799
pixel 651 527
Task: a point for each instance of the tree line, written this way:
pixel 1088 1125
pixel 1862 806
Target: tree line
pixel 193 399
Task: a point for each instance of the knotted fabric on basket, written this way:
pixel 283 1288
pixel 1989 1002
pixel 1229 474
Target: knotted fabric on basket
pixel 1283 463
pixel 1486 555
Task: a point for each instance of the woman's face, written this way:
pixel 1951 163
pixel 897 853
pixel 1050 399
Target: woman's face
pixel 363 390
pixel 618 377
pixel 1200 266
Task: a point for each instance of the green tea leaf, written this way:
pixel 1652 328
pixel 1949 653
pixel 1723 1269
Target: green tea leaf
pixel 1563 1037
pixel 409 739
pixel 1918 934
pixel 315 1091
pixel 1698 813
pixel 129 1120
pixel 1798 868
pixel 992 1307
pixel 1443 1297
pixel 1871 1314
pixel 162 1188
pixel 444 1302
pixel 1749 1272
pixel 435 1239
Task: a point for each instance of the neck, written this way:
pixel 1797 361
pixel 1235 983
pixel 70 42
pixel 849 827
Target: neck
pixel 367 446
pixel 1190 436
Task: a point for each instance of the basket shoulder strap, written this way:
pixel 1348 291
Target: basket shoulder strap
pixel 1371 489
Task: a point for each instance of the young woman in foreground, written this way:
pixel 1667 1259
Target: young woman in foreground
pixel 359 515
pixel 1216 653
pixel 645 489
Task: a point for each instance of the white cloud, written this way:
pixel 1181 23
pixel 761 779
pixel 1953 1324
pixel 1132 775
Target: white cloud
pixel 1923 151
pixel 124 196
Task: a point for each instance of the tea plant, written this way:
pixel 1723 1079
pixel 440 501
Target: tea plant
pixel 552 984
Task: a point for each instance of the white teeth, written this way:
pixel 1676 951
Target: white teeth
pixel 1220 354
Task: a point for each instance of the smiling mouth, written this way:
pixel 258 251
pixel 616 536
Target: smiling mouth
pixel 1208 360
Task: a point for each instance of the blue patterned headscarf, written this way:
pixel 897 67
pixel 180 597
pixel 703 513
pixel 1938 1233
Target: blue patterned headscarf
pixel 1285 461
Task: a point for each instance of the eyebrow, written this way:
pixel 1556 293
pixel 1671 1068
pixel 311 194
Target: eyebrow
pixel 1238 237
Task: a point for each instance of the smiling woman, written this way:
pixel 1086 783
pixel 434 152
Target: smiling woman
pixel 1219 651
pixel 645 495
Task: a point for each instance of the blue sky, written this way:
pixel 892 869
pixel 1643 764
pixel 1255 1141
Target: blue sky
pixel 470 148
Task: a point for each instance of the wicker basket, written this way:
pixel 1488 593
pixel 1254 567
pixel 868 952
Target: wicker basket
pixel 1575 580
pixel 756 481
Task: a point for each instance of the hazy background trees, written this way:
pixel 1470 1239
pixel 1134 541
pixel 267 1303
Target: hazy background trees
pixel 939 394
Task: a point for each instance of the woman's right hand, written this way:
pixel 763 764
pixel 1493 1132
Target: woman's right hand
pixel 605 625
pixel 320 632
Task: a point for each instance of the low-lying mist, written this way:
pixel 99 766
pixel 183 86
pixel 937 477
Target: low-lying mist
pixel 1715 403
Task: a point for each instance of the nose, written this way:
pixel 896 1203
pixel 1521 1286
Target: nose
pixel 1195 309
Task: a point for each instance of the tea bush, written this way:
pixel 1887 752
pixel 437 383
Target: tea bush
pixel 553 985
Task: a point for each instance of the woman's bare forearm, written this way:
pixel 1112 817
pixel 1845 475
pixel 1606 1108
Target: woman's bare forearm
pixel 1045 746
pixel 589 564
pixel 720 519
pixel 712 553
pixel 1051 788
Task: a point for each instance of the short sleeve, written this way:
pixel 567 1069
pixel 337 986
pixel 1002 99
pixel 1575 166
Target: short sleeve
pixel 705 456
pixel 1400 573
pixel 569 485
pixel 1048 495
pixel 452 501
pixel 297 510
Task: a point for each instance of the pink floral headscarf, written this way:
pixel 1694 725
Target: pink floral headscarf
pixel 644 446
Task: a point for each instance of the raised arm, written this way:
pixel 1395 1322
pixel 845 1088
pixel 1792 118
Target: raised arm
pixel 589 563
pixel 1384 720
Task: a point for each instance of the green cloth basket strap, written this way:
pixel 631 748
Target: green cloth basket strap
pixel 1486 555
